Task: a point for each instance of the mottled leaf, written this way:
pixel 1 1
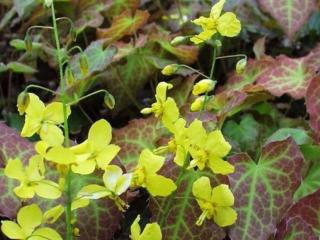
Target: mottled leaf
pixel 287 76
pixel 123 25
pixel 264 189
pixel 295 229
pixel 300 136
pixel 136 136
pixel 313 105
pixel 291 15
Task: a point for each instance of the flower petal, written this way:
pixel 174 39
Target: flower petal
pixel 54 113
pixel 228 25
pixel 100 135
pixel 24 191
pixel 51 134
pixel 93 191
pixel 158 185
pixel 217 144
pixel 84 167
pixel 161 91
pixel 12 230
pixel 48 189
pixel 123 183
pixel 222 196
pixel 111 176
pixel 107 155
pixel 31 126
pixel 217 9
pixel 45 233
pixel 29 217
pixel 151 231
pixel 219 166
pixel 196 133
pixel 151 162
pixel 61 155
pixel 79 203
pixel 170 113
pixel 201 189
pixel 53 214
pixel 36 107
pixel 14 169
pixel 135 229
pixel 225 216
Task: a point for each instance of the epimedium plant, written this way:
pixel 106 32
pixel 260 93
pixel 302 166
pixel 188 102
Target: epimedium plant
pixel 193 147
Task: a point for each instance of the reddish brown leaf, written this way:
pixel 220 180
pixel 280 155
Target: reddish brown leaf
pixel 313 105
pixel 123 25
pixel 291 15
pixel 264 189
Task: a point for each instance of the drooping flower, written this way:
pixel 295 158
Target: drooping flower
pixel 96 150
pixel 145 175
pixel 216 203
pixel 226 24
pixel 151 231
pixel 43 120
pixel 170 69
pixel 208 149
pixel 31 179
pixel 115 184
pixel 203 86
pixel 197 104
pixel 28 219
pixel 165 107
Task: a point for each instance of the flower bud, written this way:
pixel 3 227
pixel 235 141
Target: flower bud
pixel 109 101
pixel 197 105
pixel 84 65
pixel 28 43
pixel 146 111
pixel 23 102
pixel 217 43
pixel 70 79
pixel 170 69
pixel 241 65
pixel 203 86
pixel 47 3
pixel 178 40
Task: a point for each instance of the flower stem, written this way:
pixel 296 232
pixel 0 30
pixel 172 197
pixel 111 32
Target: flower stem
pixel 214 58
pixel 194 70
pixel 65 122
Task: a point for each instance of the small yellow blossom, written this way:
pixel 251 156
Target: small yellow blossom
pixel 43 120
pixel 226 24
pixel 165 107
pixel 29 218
pixel 216 203
pixel 241 65
pixel 31 180
pixel 208 149
pixel 145 175
pixel 96 150
pixel 115 183
pixel 170 69
pixel 197 104
pixel 151 231
pixel 203 86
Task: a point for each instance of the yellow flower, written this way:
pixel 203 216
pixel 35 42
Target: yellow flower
pixel 145 175
pixel 208 149
pixel 96 150
pixel 164 108
pixel 31 180
pixel 170 69
pixel 226 24
pixel 28 219
pixel 241 65
pixel 179 144
pixel 216 203
pixel 197 105
pixel 43 120
pixel 115 183
pixel 151 231
pixel 203 86
pixel 23 102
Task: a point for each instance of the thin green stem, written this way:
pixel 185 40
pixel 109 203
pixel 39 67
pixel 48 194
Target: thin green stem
pixel 89 95
pixel 214 58
pixel 194 70
pixel 41 88
pixel 232 56
pixel 65 123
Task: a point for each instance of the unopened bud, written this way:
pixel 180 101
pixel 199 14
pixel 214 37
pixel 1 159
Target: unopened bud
pixel 241 65
pixel 23 102
pixel 84 65
pixel 73 34
pixel 217 43
pixel 28 43
pixel 70 79
pixel 109 101
pixel 178 40
pixel 170 69
pixel 197 105
pixel 146 111
pixel 47 3
pixel 203 86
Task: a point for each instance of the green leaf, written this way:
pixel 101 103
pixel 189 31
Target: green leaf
pixel 245 133
pixel 25 7
pixel 264 189
pixel 299 135
pixel 18 67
